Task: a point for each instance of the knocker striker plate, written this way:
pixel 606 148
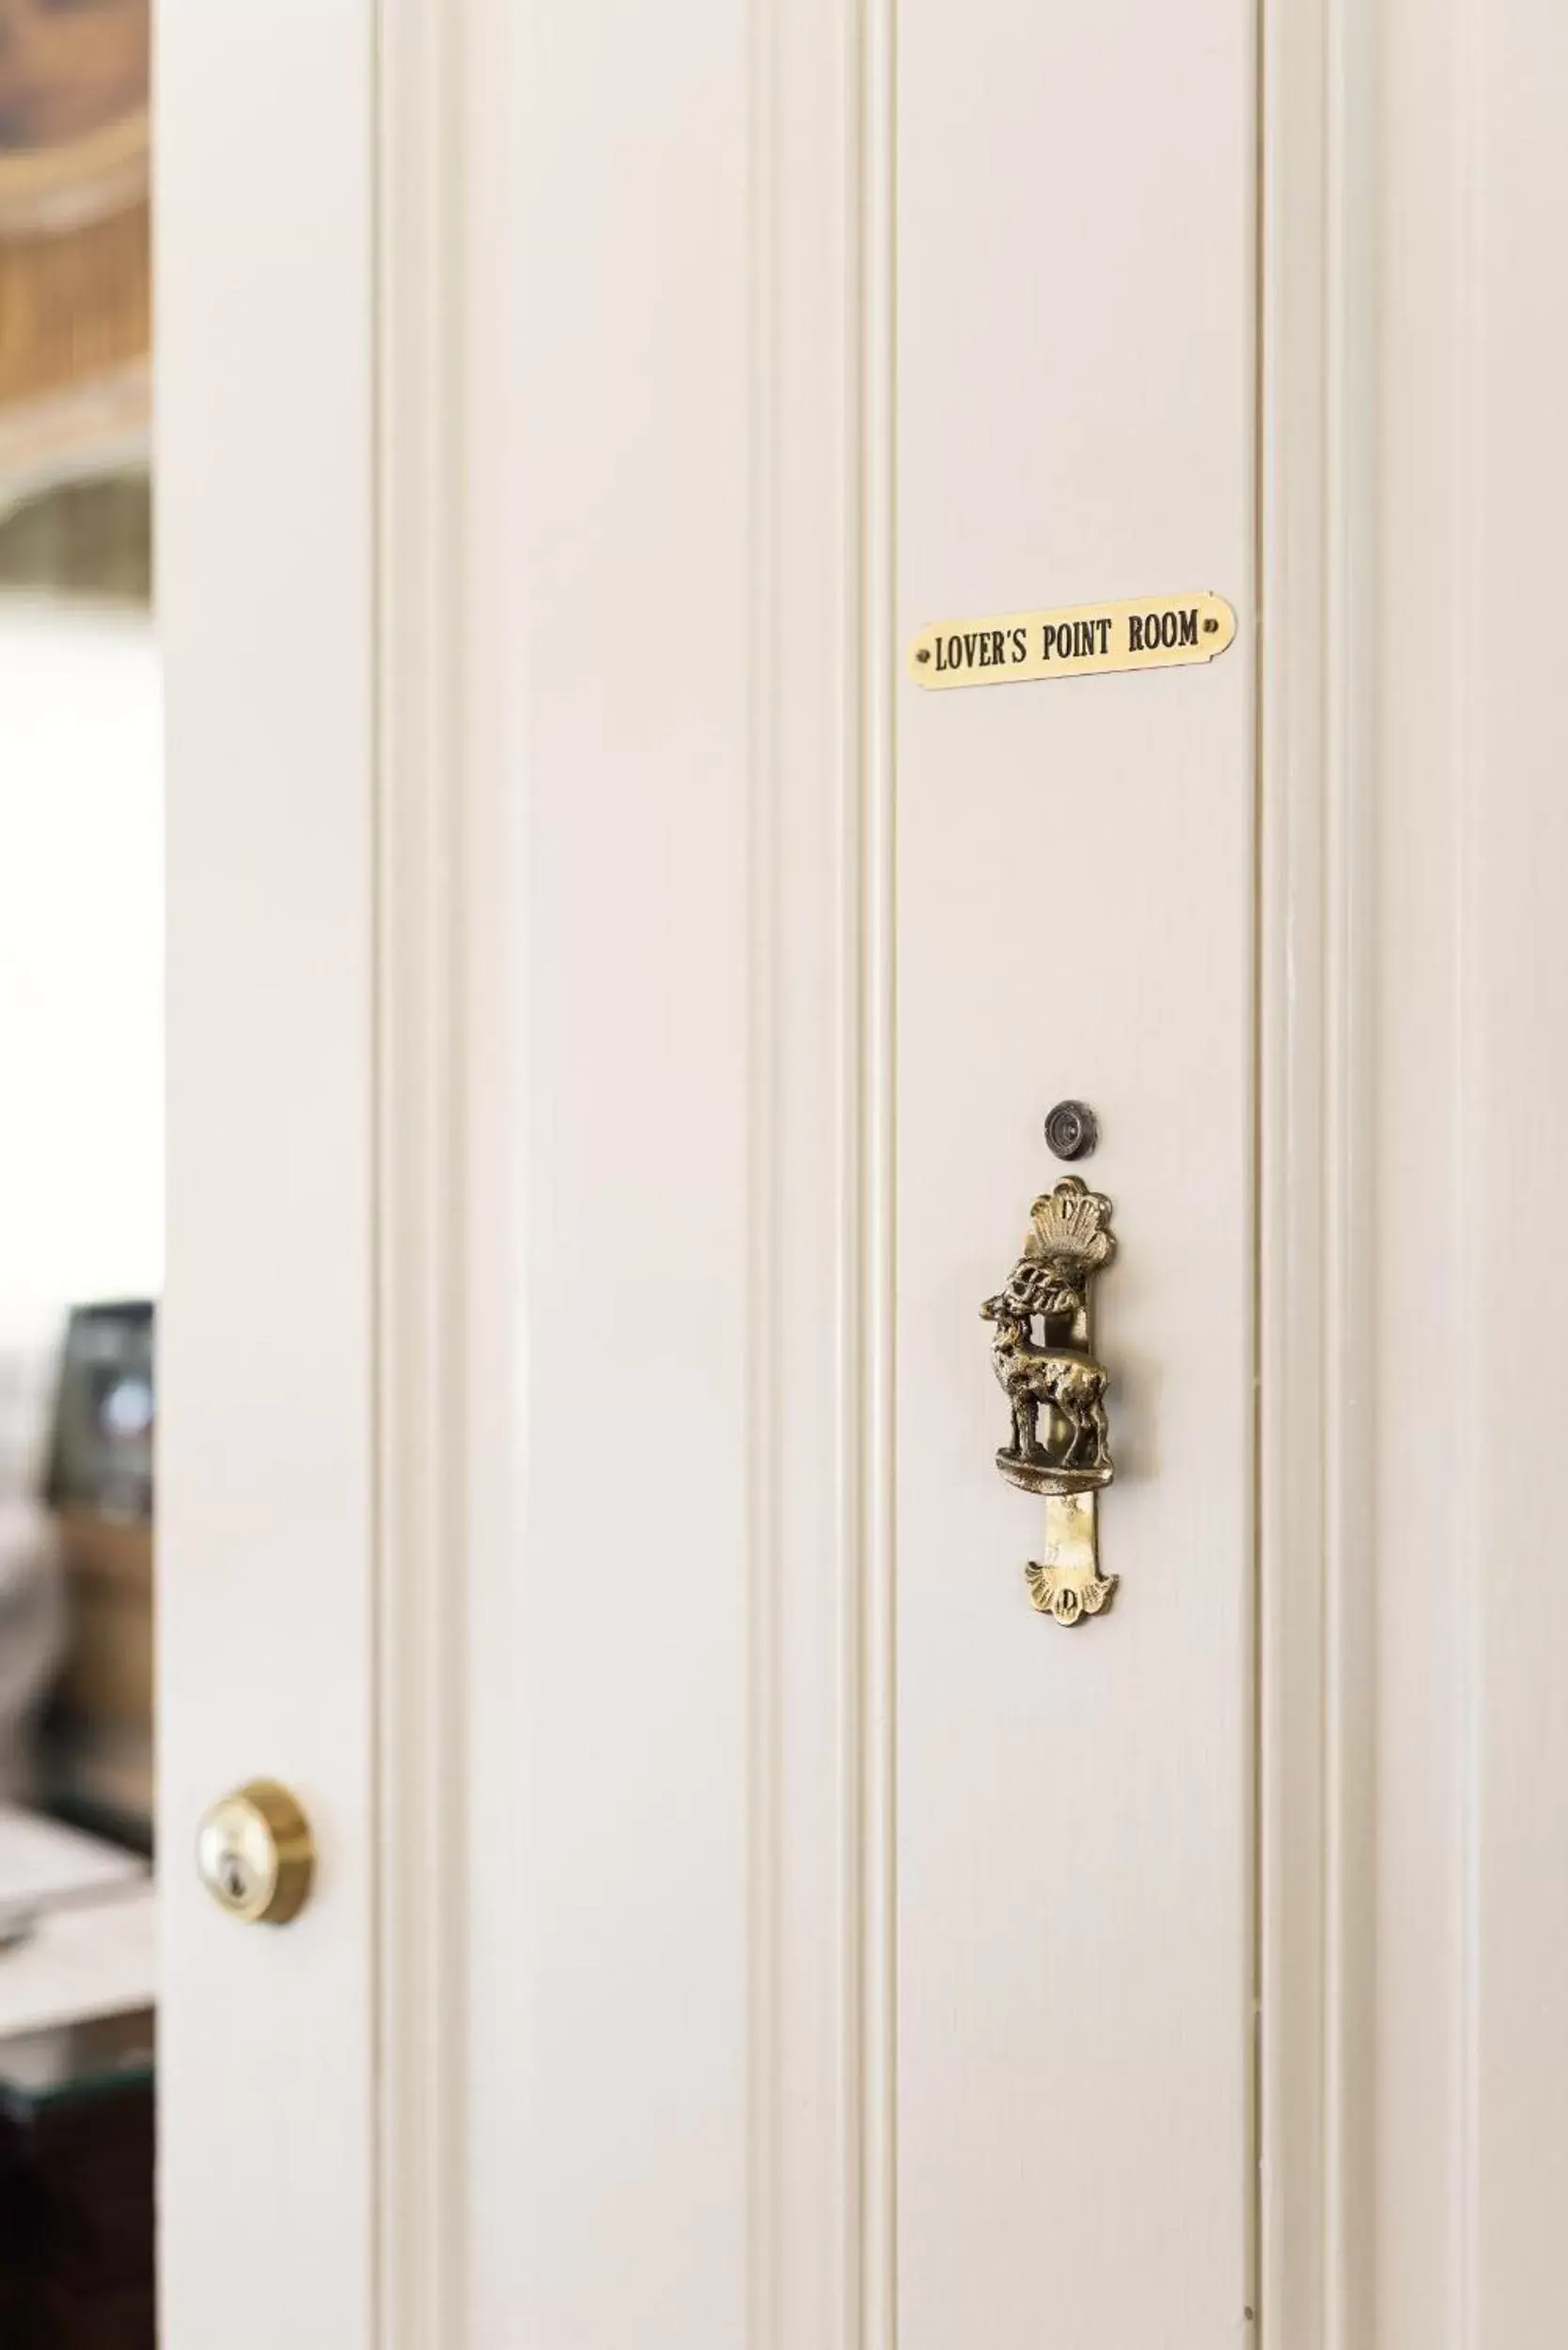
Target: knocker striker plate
pixel 1060 1444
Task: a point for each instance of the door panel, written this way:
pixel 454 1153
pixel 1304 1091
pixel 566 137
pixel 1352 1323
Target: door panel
pixel 1075 919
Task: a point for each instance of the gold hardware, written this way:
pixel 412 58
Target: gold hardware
pixel 1081 640
pixel 1068 1460
pixel 256 1855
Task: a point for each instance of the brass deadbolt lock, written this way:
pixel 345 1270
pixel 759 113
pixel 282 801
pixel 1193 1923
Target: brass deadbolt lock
pixel 256 1855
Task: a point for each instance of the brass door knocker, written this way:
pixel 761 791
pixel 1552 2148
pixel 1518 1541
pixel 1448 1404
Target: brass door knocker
pixel 1060 1444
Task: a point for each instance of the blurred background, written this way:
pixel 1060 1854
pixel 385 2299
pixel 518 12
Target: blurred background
pixel 80 940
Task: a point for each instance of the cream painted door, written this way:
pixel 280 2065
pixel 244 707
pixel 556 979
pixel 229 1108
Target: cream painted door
pixel 613 1010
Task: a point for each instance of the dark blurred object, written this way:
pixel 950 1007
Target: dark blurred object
pixel 100 1454
pixel 91 537
pixel 97 1764
pixel 76 2187
pixel 32 1573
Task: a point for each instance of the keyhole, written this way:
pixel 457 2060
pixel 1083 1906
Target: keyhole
pixel 232 1876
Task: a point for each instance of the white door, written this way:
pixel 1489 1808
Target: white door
pixel 853 1946
pixel 854 1952
pixel 617 1000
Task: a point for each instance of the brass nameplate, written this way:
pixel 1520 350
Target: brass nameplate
pixel 1155 633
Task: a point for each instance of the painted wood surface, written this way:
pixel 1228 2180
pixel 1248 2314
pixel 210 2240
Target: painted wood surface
pixel 265 1524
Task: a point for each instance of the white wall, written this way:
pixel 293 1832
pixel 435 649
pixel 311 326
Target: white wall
pixel 81 957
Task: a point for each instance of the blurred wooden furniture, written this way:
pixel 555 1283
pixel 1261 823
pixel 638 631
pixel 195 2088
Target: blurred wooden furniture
pixel 75 281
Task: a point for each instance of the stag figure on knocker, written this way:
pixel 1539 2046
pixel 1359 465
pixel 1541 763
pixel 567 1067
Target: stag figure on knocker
pixel 1070 1384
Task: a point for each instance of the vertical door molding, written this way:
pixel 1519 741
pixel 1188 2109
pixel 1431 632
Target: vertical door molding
pixel 1317 1078
pixel 421 1062
pixel 873 1722
pixel 819 1177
